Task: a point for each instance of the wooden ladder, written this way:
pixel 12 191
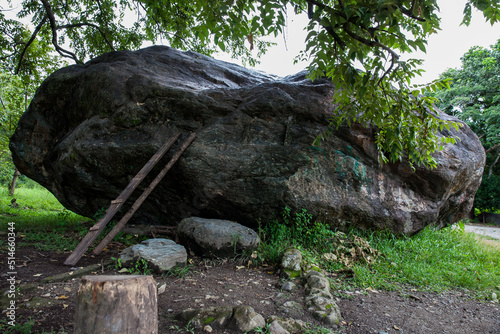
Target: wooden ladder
pixel 116 204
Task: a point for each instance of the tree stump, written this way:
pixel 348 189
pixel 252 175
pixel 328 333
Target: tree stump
pixel 117 304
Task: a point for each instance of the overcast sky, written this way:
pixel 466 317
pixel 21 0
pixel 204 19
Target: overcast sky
pixel 443 49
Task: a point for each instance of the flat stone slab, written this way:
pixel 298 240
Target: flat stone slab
pixel 161 254
pixel 215 237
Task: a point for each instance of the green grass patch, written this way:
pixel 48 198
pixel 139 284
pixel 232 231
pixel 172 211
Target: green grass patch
pixel 41 220
pixel 45 224
pixel 433 260
pixel 37 207
pixel 18 328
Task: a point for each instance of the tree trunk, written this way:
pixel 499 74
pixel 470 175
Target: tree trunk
pixel 116 304
pixel 13 184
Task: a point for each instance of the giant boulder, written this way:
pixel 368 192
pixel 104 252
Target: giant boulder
pixel 91 127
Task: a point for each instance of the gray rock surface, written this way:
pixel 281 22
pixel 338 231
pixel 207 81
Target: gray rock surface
pixel 288 286
pixel 288 324
pixel 161 254
pixel 276 328
pixel 291 305
pixel 319 300
pixel 240 318
pixel 215 237
pixel 215 317
pixel 291 260
pixel 246 319
pixel 91 127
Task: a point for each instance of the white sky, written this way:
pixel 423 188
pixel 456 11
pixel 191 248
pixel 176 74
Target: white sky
pixel 444 49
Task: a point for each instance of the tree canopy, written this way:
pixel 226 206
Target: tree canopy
pixel 474 97
pixel 357 44
pixel 16 91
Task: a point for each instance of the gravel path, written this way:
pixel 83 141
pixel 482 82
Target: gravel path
pixel 491 231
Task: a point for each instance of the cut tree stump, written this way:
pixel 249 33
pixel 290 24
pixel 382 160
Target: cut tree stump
pixel 117 304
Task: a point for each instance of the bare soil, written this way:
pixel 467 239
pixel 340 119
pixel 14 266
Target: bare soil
pixel 225 282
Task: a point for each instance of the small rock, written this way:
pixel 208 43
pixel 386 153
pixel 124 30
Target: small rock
pixel 318 282
pixel 292 259
pixel 217 317
pixel 211 297
pixel 207 329
pixel 162 288
pixel 289 324
pixel 276 328
pixel 288 286
pixel 281 295
pixel 246 319
pixel 292 305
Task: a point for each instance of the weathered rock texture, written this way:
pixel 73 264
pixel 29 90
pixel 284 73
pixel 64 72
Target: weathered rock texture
pixel 91 127
pixel 241 319
pixel 160 254
pixel 216 237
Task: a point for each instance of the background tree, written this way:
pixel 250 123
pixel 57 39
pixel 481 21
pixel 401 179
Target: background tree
pixel 20 75
pixel 11 107
pixel 355 43
pixel 474 97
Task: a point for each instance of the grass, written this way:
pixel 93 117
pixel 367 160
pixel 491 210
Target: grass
pixel 44 223
pixel 41 220
pixel 37 207
pixel 23 328
pixel 434 260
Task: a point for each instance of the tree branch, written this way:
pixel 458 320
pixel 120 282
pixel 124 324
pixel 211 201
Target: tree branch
pixel 491 167
pixel 95 26
pixel 393 61
pixel 368 42
pixel 159 25
pixel 409 12
pixel 492 148
pixel 53 27
pixel 3 104
pixel 32 38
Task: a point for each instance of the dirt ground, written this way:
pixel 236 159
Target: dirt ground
pixel 225 282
